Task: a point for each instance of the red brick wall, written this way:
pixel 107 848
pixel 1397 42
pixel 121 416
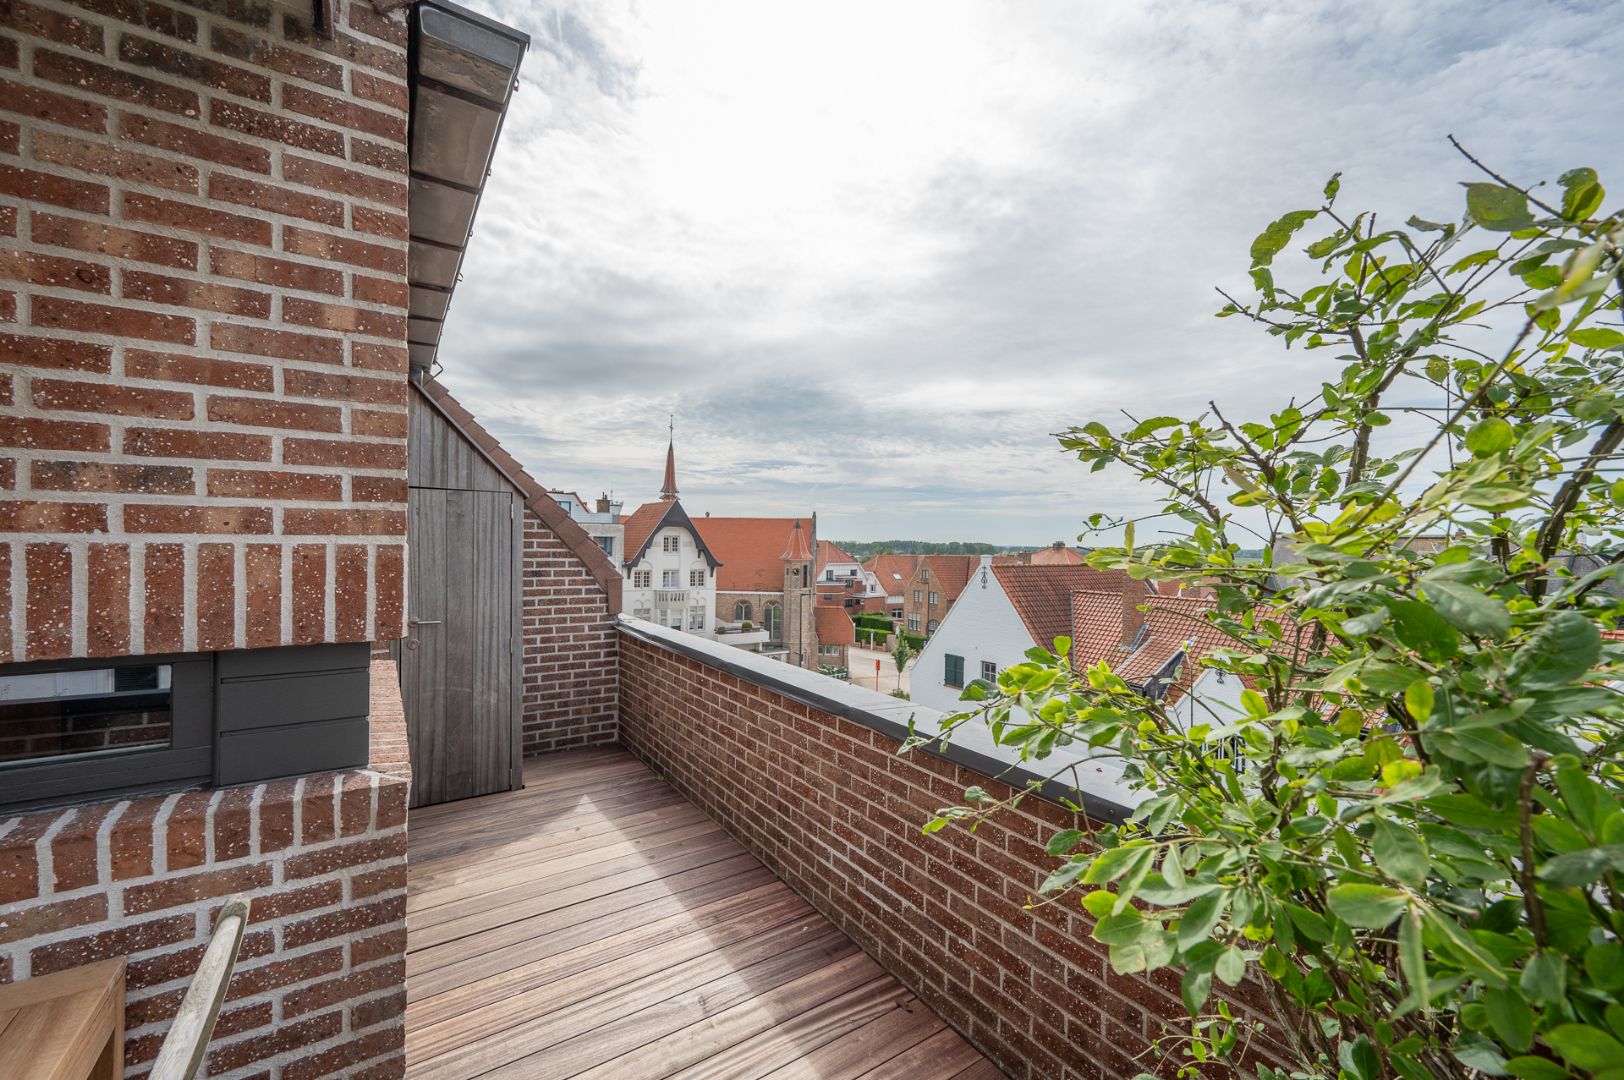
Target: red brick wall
pixel 320 989
pixel 202 327
pixel 832 809
pixel 569 648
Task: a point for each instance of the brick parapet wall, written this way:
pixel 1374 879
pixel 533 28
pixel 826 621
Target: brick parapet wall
pixel 833 810
pixel 320 986
pixel 570 693
pixel 202 327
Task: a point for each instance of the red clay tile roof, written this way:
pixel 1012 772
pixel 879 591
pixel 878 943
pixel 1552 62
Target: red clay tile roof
pixel 649 518
pixel 1055 556
pixel 949 573
pixel 536 500
pixel 830 552
pixel 834 626
pixel 640 526
pixel 796 550
pixel 893 571
pixel 1042 594
pixel 749 550
pixel 1173 624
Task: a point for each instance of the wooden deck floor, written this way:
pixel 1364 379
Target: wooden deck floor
pixel 597 924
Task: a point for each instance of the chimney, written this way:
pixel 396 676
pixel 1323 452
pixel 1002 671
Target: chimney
pixel 1134 593
pixel 603 503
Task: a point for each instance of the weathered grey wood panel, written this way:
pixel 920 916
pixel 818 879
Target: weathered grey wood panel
pixel 457 667
pixel 439 457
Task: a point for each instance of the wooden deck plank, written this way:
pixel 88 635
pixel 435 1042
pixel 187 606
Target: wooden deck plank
pixel 596 924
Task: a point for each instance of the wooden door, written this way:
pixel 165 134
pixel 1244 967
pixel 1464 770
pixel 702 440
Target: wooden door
pixel 459 678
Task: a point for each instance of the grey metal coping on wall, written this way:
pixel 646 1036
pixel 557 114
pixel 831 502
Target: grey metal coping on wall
pixel 876 711
pixel 463 70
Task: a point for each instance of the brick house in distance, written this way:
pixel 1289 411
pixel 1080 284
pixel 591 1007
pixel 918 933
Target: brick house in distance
pixel 936 582
pixel 229 235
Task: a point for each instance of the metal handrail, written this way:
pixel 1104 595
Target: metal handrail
pixel 188 1039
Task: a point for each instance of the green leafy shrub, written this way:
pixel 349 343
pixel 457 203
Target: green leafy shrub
pixel 1412 833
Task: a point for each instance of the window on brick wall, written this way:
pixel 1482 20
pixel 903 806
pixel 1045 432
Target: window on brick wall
pixel 77 729
pixel 918 596
pixel 934 599
pixel 953 670
pixel 741 611
pixel 913 622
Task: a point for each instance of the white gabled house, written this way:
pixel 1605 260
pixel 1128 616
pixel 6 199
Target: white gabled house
pixel 1004 610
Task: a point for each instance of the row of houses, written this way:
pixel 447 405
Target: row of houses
pixel 764 584
pixel 1153 640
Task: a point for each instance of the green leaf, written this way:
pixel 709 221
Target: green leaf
pixel 1418 700
pixel 1597 337
pixel 1545 978
pixel 1536 1068
pixel 1585 1047
pixel 1582 193
pixel 1412 957
pixel 1370 907
pixel 1560 651
pixel 1579 869
pixel 1231 966
pixel 1273 240
pixel 1421 225
pixel 1423 629
pixel 1497 208
pixel 1400 852
pixel 1064 876
pixel 1480 744
pixel 1510 1016
pixel 1334 185
pixel 1200 917
pixel 1489 436
pixel 1063 841
pixel 1468 609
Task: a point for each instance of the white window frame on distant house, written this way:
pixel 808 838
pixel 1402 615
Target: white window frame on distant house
pixel 989 671
pixel 919 596
pixel 924 575
pixel 670 543
pixel 930 627
pixel 913 623
pixel 772 619
pixel 696 577
pixel 670 579
pixel 642 579
pixel 935 598
pixel 696 618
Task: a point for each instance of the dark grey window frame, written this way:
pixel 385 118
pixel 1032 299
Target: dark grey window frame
pixel 236 717
pixel 188 758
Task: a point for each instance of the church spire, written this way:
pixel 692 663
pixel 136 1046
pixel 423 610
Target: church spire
pixel 669 491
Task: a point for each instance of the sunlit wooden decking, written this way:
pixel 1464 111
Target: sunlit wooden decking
pixel 597 924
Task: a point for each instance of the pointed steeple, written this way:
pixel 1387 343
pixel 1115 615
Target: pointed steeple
pixel 669 491
pixel 798 551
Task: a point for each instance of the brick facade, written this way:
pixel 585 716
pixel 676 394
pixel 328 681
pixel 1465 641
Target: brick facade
pixel 833 810
pixel 570 685
pixel 320 988
pixel 202 327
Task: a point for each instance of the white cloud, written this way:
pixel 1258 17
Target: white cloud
pixel 873 254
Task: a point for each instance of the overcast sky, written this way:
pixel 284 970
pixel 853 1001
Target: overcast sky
pixel 872 254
